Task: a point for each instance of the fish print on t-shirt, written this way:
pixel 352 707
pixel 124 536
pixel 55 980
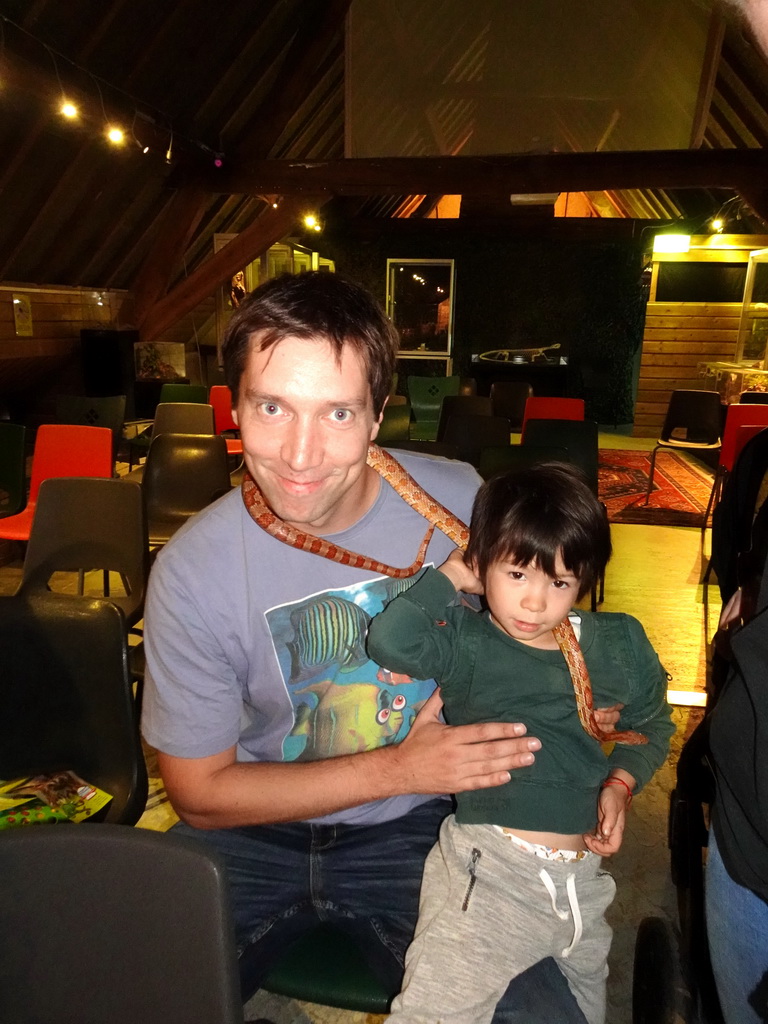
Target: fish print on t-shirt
pixel 343 702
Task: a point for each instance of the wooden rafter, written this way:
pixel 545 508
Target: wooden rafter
pixel 496 175
pixel 178 223
pixel 320 22
pixel 709 67
pixel 251 242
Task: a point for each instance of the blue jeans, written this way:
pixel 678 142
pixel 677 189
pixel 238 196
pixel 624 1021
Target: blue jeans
pixel 737 930
pixel 365 879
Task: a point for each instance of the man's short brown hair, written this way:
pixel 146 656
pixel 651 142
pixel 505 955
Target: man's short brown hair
pixel 313 305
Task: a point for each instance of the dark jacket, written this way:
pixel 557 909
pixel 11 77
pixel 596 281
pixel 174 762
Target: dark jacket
pixel 486 676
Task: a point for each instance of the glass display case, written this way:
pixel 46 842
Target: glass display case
pixel 749 369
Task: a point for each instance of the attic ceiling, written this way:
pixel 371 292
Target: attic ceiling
pixel 246 82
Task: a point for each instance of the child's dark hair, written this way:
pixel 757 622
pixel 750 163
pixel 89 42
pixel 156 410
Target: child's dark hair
pixel 534 514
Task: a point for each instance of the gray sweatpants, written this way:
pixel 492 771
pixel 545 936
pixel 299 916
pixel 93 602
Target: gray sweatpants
pixel 488 912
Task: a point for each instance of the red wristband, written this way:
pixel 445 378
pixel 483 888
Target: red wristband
pixel 614 780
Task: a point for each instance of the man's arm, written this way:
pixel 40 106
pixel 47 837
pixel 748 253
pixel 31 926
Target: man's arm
pixel 219 792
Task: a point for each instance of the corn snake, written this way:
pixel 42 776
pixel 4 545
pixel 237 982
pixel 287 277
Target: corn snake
pixel 437 516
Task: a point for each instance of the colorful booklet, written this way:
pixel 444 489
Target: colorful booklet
pixel 47 799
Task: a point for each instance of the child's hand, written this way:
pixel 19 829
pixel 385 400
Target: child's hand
pixel 612 808
pixel 460 574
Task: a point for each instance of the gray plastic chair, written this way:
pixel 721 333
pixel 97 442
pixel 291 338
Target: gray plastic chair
pixel 183 473
pixel 86 523
pixel 106 923
pixel 174 418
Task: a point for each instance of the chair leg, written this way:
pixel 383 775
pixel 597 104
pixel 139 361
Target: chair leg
pixel 650 475
pixel 714 495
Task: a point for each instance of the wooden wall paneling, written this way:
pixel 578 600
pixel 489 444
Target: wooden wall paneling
pixel 677 337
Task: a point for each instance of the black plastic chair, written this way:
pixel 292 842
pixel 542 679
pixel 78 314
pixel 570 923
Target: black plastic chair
pixel 173 418
pixel 13 476
pixel 183 473
pixel 693 423
pixel 108 411
pixel 471 433
pixel 508 398
pixel 503 458
pixel 578 437
pixel 87 523
pixel 106 923
pixel 66 700
pixel 753 398
pixel 461 405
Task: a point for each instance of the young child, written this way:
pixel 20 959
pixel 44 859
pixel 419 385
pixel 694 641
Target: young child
pixel 515 876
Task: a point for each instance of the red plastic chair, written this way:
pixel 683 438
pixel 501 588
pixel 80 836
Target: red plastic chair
pixel 741 423
pixel 220 397
pixel 61 449
pixel 542 407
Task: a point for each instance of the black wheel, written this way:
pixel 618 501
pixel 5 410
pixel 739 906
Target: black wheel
pixel 656 980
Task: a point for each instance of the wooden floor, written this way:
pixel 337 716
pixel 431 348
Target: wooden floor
pixel 655 575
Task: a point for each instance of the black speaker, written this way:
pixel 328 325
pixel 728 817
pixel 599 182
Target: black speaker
pixel 108 365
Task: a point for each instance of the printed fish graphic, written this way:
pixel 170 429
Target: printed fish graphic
pixel 330 630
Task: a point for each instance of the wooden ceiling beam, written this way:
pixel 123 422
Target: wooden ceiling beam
pixel 497 175
pixel 251 242
pixel 174 231
pixel 709 68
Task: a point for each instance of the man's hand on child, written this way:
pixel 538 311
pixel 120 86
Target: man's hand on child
pixel 460 574
pixel 613 804
pixel 440 758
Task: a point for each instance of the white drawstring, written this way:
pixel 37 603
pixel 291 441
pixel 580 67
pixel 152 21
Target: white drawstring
pixel 573 903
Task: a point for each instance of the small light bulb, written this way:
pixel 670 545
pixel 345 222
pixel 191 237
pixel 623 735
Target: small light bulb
pixel 68 109
pixel 317 227
pixel 717 223
pixel 115 135
pixel 310 220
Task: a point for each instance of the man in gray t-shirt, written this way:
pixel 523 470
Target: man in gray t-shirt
pixel 311 769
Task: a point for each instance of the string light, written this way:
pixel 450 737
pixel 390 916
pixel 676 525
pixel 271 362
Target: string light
pixel 152 115
pixel 115 135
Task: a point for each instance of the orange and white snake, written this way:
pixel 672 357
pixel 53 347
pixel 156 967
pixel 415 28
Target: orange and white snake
pixel 437 516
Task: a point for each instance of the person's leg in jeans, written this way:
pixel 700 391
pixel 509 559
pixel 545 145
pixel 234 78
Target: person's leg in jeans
pixel 737 931
pixel 369 883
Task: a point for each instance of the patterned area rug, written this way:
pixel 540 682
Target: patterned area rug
pixel 680 488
